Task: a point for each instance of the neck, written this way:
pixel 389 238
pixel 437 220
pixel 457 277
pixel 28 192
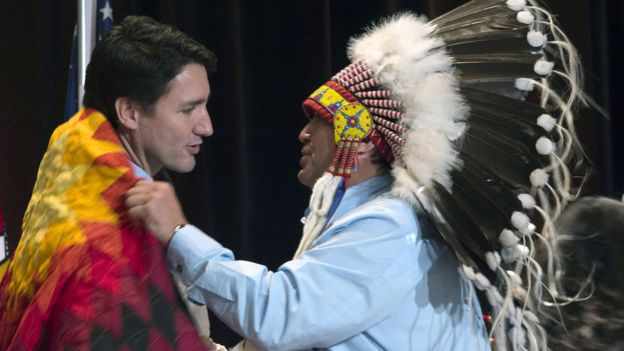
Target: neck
pixel 366 172
pixel 136 155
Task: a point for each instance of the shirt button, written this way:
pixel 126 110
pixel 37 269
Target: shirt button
pixel 179 268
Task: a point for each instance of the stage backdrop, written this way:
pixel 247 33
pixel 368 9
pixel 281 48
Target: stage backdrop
pixel 272 54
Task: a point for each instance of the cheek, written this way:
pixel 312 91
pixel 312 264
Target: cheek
pixel 327 154
pixel 172 135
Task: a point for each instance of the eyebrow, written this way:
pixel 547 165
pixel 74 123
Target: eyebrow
pixel 195 102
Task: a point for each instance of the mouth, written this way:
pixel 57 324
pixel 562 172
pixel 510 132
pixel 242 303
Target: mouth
pixel 194 149
pixel 303 160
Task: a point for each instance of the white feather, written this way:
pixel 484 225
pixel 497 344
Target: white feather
pixel 525 17
pixel 544 146
pixel 547 122
pixel 509 254
pixel 528 202
pixel 514 278
pixel 543 67
pixel 536 39
pixel 469 273
pixel 516 5
pixel 507 238
pixel 519 220
pixel 482 282
pixel 491 260
pixel 524 84
pixel 523 251
pixel 539 178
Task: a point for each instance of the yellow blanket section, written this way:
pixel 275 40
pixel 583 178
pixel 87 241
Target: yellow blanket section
pixel 67 195
pixel 3 268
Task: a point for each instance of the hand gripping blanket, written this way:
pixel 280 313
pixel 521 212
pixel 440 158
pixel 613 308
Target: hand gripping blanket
pixel 83 277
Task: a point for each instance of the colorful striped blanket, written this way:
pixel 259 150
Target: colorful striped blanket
pixel 83 277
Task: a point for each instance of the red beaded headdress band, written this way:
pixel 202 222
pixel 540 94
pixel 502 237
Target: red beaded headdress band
pixel 336 102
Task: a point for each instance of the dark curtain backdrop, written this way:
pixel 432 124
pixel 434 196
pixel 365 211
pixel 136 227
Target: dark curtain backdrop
pixel 272 54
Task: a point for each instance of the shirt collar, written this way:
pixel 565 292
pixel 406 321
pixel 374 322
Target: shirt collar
pixel 140 172
pixel 362 192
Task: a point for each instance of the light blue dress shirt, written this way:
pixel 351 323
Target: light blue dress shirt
pixel 373 280
pixel 140 172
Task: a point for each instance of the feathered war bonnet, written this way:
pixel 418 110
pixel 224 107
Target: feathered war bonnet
pixel 464 109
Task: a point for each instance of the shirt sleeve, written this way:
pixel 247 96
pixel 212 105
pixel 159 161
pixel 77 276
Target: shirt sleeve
pixel 355 278
pixel 189 252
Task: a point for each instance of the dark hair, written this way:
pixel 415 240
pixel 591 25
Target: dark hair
pixel 377 158
pixel 137 59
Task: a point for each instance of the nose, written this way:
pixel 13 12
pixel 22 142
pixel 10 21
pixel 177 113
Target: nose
pixel 304 135
pixel 203 127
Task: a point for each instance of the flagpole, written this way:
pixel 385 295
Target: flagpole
pixel 86 40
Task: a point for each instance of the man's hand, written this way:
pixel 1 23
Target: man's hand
pixel 156 206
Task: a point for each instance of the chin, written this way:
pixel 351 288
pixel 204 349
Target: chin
pixel 182 168
pixel 305 179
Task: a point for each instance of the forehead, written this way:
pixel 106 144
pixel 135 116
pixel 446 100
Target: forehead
pixel 321 127
pixel 188 85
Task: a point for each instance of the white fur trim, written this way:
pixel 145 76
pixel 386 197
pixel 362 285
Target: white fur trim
pixel 525 17
pixel 524 84
pixel 543 67
pixel 544 146
pixel 547 122
pixel 507 238
pixel 528 202
pixel 320 201
pixel 539 178
pixel 516 5
pixel 536 39
pixel 519 220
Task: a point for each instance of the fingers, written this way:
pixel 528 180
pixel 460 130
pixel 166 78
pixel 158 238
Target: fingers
pixel 156 206
pixel 137 214
pixel 136 200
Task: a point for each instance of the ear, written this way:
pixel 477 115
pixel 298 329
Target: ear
pixel 365 148
pixel 127 113
pixel 365 152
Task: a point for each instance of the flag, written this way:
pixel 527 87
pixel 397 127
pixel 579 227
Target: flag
pixel 4 247
pixel 103 23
